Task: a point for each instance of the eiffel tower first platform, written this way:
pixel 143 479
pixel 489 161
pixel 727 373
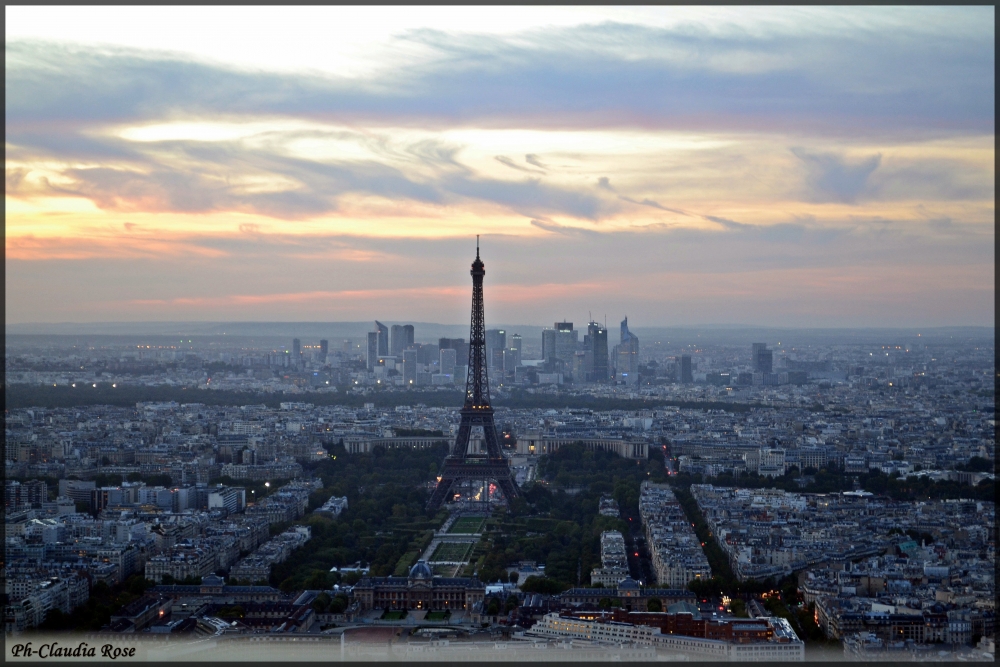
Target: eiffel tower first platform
pixel 459 465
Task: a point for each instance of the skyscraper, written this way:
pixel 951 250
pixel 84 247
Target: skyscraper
pixel 548 345
pixel 459 345
pixel 566 342
pixel 396 340
pixel 372 350
pixel 383 339
pixel 765 361
pixel 296 352
pixel 511 359
pixel 627 356
pixel 410 368
pixel 407 336
pixel 687 377
pixel 496 364
pixel 496 339
pixel 447 362
pixel 762 358
pixel 324 349
pixel 515 342
pixel 597 344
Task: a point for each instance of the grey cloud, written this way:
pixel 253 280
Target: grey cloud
pixel 572 77
pixel 605 184
pixel 932 179
pixel 184 192
pixel 531 194
pixel 831 178
pixel 549 226
pixel 14 178
pixel 507 162
pixel 789 231
pixel 652 204
pixel 211 173
pixel 780 232
pixel 436 154
pixel 531 158
pixel 731 224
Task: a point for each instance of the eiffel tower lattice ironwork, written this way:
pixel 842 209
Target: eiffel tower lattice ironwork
pixel 459 465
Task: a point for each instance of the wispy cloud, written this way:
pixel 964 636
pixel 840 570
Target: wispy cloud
pixel 507 162
pixel 604 183
pixel 730 224
pixel 531 158
pixel 582 76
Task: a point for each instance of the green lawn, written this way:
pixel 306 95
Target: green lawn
pixel 394 615
pixel 437 615
pixel 467 524
pixel 451 551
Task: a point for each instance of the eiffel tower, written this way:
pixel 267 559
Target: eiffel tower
pixel 459 465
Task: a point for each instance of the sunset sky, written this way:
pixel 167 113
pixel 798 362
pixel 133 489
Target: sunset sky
pixel 766 166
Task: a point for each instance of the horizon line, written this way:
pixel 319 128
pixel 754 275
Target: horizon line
pixel 728 325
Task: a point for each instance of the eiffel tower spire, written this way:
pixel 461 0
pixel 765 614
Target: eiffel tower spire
pixel 459 465
pixel 477 384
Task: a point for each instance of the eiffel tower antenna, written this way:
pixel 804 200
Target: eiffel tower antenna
pixel 459 466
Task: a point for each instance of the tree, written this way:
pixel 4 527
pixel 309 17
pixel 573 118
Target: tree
pixel 654 604
pixel 318 580
pixel 513 577
pixel 339 603
pixel 321 603
pixel 235 611
pixel 739 608
pixel 535 584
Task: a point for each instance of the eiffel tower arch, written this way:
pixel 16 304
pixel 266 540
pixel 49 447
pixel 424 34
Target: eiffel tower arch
pixel 459 466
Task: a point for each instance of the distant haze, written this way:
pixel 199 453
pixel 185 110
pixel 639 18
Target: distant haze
pixel 311 332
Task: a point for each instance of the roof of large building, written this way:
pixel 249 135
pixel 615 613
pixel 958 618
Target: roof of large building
pixel 403 582
pixel 421 570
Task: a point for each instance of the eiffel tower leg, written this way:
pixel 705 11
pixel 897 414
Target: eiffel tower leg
pixel 440 493
pixel 462 438
pixel 490 437
pixel 509 489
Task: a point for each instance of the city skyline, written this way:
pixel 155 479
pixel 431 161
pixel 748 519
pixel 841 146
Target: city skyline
pixel 682 165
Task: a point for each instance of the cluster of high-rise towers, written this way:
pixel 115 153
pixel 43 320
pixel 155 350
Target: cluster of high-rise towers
pixel 564 357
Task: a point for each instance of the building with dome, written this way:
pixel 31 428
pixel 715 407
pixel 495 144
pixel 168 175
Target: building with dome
pixel 420 589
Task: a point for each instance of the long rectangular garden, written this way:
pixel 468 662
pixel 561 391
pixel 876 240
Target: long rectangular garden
pixel 467 524
pixel 453 552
